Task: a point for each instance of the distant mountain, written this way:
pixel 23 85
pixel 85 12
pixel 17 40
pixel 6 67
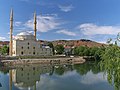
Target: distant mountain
pixel 75 43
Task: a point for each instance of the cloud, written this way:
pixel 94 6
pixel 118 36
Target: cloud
pixel 93 29
pixel 45 23
pixel 90 78
pixel 66 8
pixel 2 38
pixel 18 23
pixel 66 32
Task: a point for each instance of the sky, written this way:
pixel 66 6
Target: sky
pixel 96 20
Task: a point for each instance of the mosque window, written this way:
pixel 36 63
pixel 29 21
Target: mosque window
pixel 28 43
pixel 34 53
pixel 21 69
pixel 33 47
pixel 22 47
pixel 28 47
pixel 22 52
pixel 33 68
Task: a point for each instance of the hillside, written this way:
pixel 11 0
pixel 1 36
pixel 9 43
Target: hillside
pixel 75 43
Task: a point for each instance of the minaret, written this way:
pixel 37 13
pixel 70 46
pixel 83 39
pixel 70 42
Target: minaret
pixel 10 79
pixel 35 25
pixel 11 30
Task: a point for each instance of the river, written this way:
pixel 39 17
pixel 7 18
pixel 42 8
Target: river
pixel 87 76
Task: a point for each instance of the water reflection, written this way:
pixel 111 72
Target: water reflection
pixel 65 77
pixel 27 76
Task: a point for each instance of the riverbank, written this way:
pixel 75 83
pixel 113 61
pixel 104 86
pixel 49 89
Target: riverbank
pixel 60 60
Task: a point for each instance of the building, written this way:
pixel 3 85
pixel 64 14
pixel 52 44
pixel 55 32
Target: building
pixel 68 50
pixel 25 43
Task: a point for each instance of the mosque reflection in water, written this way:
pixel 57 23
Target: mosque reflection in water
pixel 27 76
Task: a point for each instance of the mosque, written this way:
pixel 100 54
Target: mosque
pixel 25 43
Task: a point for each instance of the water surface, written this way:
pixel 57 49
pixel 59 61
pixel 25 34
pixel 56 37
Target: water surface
pixel 87 76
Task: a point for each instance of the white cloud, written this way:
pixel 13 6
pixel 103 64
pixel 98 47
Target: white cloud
pixel 103 42
pixel 66 32
pixel 44 23
pixel 30 31
pixel 18 23
pixel 90 78
pixel 66 8
pixel 2 38
pixel 93 29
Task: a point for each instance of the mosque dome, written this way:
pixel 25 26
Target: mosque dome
pixel 24 36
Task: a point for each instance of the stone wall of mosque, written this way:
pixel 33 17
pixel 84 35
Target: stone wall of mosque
pixel 30 48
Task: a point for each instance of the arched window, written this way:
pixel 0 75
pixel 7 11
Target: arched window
pixel 33 47
pixel 33 68
pixel 22 52
pixel 21 69
pixel 34 53
pixel 28 43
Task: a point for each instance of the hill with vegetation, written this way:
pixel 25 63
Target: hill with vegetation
pixel 75 43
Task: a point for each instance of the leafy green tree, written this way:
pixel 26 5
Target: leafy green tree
pixel 111 64
pixel 4 50
pixel 93 50
pixel 79 50
pixel 59 49
pixel 86 51
pixel 51 46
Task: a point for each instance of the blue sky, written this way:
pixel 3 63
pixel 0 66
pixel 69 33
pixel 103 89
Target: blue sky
pixel 96 20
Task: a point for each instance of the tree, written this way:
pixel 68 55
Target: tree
pixel 51 46
pixel 79 50
pixel 59 49
pixel 111 64
pixel 4 50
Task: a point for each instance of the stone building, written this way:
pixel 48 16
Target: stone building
pixel 25 44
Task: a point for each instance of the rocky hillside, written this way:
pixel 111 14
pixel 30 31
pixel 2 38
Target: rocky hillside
pixel 75 43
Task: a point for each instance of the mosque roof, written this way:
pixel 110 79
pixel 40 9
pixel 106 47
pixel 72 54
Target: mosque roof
pixel 24 33
pixel 24 36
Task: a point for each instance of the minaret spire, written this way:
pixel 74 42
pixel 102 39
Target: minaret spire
pixel 35 24
pixel 11 31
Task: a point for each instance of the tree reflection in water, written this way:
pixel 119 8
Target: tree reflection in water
pixel 84 68
pixel 26 76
